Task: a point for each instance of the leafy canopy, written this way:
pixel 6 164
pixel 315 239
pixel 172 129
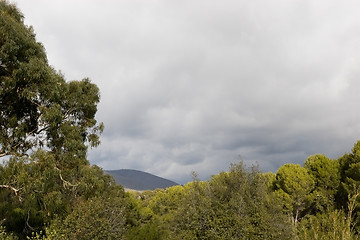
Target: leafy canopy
pixel 38 108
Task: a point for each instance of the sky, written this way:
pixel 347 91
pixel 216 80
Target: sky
pixel 196 85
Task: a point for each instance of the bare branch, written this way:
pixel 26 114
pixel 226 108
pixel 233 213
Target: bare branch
pixel 27 221
pixel 14 146
pixel 42 129
pixel 65 183
pixel 3 154
pixel 16 191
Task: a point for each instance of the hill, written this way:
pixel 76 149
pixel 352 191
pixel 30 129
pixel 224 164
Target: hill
pixel 139 180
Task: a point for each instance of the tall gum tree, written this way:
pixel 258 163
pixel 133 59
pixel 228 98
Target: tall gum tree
pixel 38 108
pixel 46 127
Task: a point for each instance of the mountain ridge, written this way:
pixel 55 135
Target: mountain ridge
pixel 139 180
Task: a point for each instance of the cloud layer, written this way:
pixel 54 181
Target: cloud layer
pixel 192 85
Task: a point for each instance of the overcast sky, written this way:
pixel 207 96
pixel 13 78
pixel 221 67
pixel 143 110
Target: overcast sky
pixel 192 85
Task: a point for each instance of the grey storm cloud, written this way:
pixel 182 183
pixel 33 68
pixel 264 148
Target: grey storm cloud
pixel 196 85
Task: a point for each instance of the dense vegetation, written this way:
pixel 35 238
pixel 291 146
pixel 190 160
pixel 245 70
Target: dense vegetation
pixel 48 189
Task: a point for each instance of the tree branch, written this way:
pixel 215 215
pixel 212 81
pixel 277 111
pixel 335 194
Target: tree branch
pixel 3 154
pixel 14 146
pixel 65 183
pixel 16 191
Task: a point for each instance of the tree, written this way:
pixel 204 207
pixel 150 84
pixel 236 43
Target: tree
pixel 334 225
pixel 97 218
pixel 294 185
pixel 350 179
pixel 37 106
pixel 46 127
pixel 47 193
pixel 233 205
pixel 326 175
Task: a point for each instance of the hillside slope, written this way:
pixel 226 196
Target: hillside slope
pixel 139 180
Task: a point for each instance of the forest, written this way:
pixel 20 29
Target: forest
pixel 49 190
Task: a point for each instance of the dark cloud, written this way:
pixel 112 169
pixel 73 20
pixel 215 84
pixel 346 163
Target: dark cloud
pixel 189 86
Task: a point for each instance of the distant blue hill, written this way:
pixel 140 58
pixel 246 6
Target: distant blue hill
pixel 139 180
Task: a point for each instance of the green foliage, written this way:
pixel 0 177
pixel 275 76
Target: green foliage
pixel 142 222
pixel 147 231
pixel 326 174
pixel 46 192
pixel 333 225
pixel 48 189
pixel 293 185
pixel 165 203
pixel 325 171
pixel 5 235
pixel 233 205
pixel 46 126
pixel 37 106
pixel 350 174
pixel 97 218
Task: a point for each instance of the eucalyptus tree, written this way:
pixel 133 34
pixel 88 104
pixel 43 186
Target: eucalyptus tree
pixel 38 108
pixel 47 125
